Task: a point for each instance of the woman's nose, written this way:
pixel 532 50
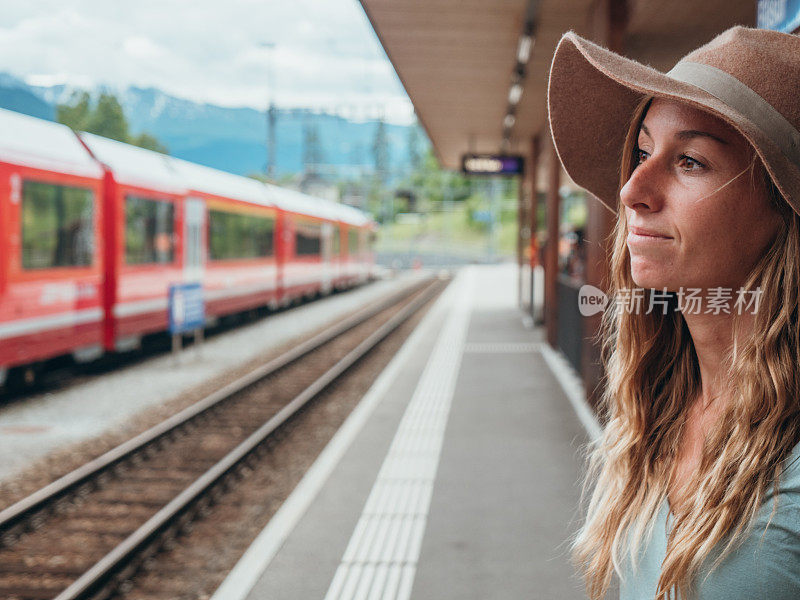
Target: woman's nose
pixel 643 190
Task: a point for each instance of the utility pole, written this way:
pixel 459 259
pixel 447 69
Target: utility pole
pixel 448 211
pixel 271 114
pixel 269 171
pixel 493 200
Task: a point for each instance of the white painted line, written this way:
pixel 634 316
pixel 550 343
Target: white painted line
pixel 138 307
pixel 352 547
pixel 367 576
pixel 248 570
pixel 573 389
pixel 352 580
pixel 391 585
pixel 405 585
pixel 408 466
pixel 394 538
pixel 379 582
pixel 338 582
pixel 41 323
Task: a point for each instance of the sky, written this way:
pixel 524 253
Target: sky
pixel 319 54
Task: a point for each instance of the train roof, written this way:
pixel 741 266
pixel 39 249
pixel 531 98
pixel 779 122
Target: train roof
pixel 354 216
pixel 41 144
pixel 32 142
pixel 299 202
pixel 207 180
pixel 133 165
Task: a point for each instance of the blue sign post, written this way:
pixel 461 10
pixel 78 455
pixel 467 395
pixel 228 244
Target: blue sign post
pixel 186 312
pixel 780 15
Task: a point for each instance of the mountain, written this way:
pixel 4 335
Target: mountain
pixel 18 96
pixel 231 139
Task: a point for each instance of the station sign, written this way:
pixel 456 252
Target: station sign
pixel 186 307
pixel 780 15
pixel 492 164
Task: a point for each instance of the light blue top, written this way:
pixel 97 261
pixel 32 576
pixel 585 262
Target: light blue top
pixel 768 569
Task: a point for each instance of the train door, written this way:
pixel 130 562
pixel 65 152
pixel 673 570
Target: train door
pixel 336 253
pixel 326 250
pixel 193 228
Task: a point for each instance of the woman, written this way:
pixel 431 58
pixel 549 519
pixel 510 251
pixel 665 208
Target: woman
pixel 697 475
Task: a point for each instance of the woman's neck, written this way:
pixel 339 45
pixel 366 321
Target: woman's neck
pixel 712 336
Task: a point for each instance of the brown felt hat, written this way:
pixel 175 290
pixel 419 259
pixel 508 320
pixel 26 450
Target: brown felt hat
pixel 750 78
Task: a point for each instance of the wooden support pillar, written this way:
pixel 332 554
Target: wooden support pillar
pixel 553 236
pixel 521 238
pixel 533 218
pixel 611 21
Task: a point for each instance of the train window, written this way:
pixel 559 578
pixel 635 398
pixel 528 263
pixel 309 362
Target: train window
pixel 149 231
pixel 308 238
pixel 239 235
pixel 57 226
pixel 352 241
pixel 337 241
pixel 373 238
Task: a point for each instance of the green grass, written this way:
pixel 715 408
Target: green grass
pixel 450 233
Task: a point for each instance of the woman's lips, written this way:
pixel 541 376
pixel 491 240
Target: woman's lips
pixel 641 231
pixel 644 237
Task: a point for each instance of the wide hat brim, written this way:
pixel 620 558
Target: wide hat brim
pixel 592 95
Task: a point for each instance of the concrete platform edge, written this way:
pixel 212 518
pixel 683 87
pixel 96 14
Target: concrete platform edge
pixel 573 389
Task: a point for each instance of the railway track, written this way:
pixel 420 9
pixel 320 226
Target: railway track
pixel 83 534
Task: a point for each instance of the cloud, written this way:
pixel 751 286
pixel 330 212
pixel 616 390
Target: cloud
pixel 138 47
pixel 324 52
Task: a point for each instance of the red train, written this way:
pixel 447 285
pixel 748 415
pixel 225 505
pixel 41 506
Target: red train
pixel 93 232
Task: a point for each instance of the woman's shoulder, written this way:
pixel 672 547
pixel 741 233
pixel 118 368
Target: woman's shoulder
pixel 790 475
pixel 788 505
pixel 768 556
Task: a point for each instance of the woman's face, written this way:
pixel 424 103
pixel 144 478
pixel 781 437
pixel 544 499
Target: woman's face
pixel 707 236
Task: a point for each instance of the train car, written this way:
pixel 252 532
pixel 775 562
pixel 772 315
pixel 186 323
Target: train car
pixel 93 232
pixel 145 203
pixel 359 233
pixel 327 244
pixel 51 246
pixel 308 265
pixel 231 238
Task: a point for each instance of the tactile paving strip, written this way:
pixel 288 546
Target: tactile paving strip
pixel 381 558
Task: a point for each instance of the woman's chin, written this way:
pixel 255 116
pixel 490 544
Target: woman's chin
pixel 651 278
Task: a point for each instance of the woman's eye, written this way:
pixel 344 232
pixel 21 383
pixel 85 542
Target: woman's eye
pixel 687 163
pixel 641 156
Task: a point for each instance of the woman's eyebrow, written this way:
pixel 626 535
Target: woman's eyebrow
pixel 693 133
pixel 688 134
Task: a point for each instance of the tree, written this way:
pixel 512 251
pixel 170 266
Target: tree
pixel 380 152
pixel 413 140
pixel 150 142
pixel 432 182
pixel 75 115
pixel 106 118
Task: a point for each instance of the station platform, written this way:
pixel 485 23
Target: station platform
pixel 456 477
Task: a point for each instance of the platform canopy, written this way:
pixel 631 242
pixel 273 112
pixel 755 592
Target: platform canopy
pixel 457 59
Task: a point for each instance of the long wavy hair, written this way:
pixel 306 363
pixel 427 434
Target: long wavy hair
pixel 651 377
